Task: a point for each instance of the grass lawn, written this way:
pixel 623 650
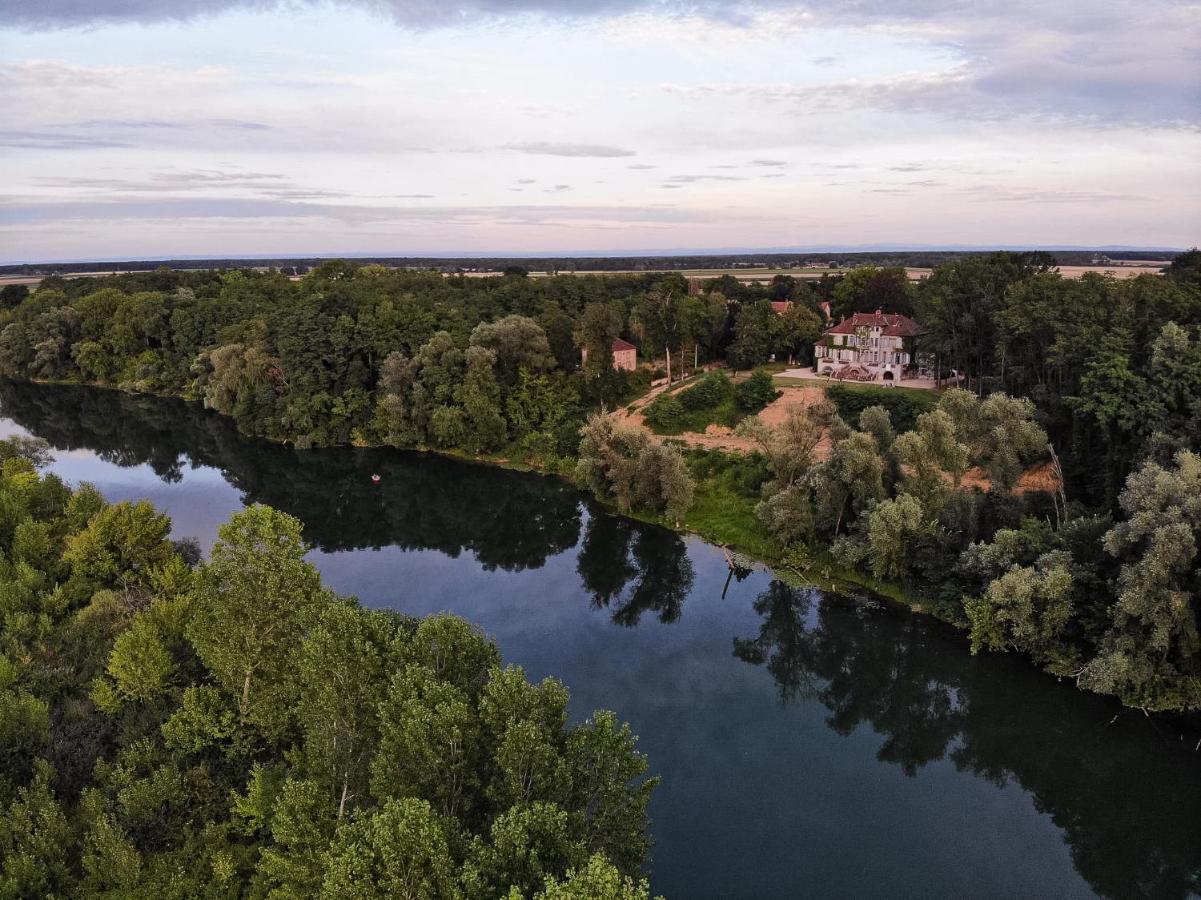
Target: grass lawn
pixel 723 511
pixel 722 515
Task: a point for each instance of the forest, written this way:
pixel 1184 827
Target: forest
pixel 178 728
pixel 1094 574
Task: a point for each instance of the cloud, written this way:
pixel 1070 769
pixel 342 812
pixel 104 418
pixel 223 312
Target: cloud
pixel 558 189
pixel 148 124
pixel 16 212
pixel 55 140
pixel 550 148
pixel 994 193
pixel 1127 61
pixel 527 180
pixel 170 181
pixel 768 162
pixel 1121 62
pixel 691 179
pixel 642 167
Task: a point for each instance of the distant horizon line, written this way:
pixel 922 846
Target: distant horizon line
pixel 608 254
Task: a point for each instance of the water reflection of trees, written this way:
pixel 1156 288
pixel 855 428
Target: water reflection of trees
pixel 508 520
pixel 1127 797
pixel 634 569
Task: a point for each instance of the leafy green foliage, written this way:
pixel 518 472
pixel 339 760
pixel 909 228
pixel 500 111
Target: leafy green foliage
pixel 755 392
pixel 1151 655
pixel 665 414
pixel 710 400
pixel 711 389
pixel 627 468
pixel 233 729
pixel 1114 607
pixel 903 406
pixel 756 333
pixel 868 288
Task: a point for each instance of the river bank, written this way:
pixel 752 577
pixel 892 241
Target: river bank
pixel 723 513
pixel 720 514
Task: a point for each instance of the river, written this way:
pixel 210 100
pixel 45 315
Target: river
pixel 809 745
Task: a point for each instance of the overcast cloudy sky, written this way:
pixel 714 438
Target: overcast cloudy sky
pixel 134 128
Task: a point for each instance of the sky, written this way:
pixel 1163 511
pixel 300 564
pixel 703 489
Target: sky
pixel 160 128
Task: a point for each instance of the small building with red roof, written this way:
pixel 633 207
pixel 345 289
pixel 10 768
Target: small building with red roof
pixel 868 346
pixel 625 356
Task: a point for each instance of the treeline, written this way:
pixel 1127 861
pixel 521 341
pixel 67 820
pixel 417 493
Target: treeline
pixel 355 354
pixel 1113 603
pixel 176 729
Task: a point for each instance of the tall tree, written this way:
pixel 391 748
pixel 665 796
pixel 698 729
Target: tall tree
pixel 1151 655
pixel 254 602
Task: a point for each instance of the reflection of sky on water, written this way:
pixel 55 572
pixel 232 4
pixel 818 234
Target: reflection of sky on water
pixel 759 798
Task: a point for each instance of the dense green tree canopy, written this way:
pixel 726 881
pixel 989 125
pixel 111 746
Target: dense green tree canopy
pixel 232 728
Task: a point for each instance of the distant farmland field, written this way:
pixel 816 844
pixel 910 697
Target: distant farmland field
pixel 1125 269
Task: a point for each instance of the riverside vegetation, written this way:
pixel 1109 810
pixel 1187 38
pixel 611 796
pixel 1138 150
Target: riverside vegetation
pixel 1098 582
pixel 176 729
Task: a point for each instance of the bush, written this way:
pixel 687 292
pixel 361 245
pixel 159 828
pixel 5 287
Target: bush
pixel 756 392
pixel 904 406
pixel 665 413
pixel 713 389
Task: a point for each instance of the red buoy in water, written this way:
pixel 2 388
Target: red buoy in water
pixel 375 479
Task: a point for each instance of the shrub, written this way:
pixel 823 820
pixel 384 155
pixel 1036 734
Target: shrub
pixel 713 389
pixel 756 392
pixel 665 413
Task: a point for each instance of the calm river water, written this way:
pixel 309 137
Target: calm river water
pixel 809 745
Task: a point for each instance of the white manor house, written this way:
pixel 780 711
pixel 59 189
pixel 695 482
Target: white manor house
pixel 867 347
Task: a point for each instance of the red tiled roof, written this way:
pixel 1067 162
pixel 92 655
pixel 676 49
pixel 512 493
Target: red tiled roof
pixel 781 306
pixel 619 344
pixel 892 324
